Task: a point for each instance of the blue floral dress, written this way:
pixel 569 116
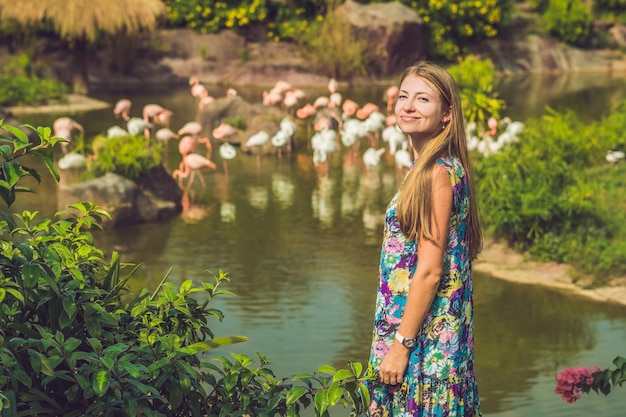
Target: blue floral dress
pixel 439 380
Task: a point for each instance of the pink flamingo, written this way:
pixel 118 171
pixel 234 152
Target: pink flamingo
pixel 122 108
pixel 186 145
pixel 349 107
pixel 307 113
pixel 197 89
pixel 64 127
pixel 332 86
pixel 156 114
pixel 367 109
pixel 190 165
pixel 391 95
pixel 194 129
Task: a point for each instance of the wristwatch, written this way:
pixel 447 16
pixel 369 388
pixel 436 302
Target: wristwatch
pixel 407 342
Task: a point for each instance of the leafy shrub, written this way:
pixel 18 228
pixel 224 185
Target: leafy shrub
pixel 209 16
pixel 455 25
pixel 18 90
pixel 74 342
pixel 476 80
pixel 614 10
pixel 569 20
pixel 554 194
pixel 126 156
pixel 334 50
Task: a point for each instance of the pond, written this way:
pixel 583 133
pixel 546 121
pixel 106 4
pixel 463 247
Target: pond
pixel 301 249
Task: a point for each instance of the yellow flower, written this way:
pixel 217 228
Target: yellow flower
pixel 399 281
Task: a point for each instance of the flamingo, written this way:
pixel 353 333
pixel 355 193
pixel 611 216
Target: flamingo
pixel 64 127
pixel 614 157
pixel 394 137
pixel 391 95
pixel 371 157
pixel 72 160
pixel 136 126
pixel 117 132
pixel 186 145
pixel 349 108
pixel 367 109
pixel 281 139
pixel 194 129
pixel 225 131
pixel 156 114
pixel 197 89
pixel 227 152
pixel 122 108
pixel 163 136
pixel 191 164
pixel 403 160
pixel 332 86
pixel 257 141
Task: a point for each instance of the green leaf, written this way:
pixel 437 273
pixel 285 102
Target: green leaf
pixel 321 402
pixel 342 375
pixel 326 369
pixel 6 151
pixel 101 382
pixel 334 394
pixel 45 156
pixel 295 393
pixel 205 346
pixel 176 395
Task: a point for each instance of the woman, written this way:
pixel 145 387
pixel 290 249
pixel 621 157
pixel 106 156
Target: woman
pixel 423 340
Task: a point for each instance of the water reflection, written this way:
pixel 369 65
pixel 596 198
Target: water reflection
pixel 302 248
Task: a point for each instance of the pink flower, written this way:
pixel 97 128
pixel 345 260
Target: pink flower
pixel 570 381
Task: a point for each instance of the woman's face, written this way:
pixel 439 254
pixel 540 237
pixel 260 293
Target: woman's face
pixel 419 111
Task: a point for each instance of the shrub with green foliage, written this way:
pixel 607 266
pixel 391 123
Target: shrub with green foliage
pixel 569 21
pixel 476 80
pixel 209 16
pixel 128 156
pixel 455 25
pixel 334 49
pixel 554 194
pixel 614 10
pixel 16 90
pixel 75 342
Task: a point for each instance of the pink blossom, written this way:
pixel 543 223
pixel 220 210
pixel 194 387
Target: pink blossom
pixel 570 381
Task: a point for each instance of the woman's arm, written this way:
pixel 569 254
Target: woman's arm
pixel 426 279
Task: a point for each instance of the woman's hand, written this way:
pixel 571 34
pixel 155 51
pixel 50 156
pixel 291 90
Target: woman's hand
pixel 391 370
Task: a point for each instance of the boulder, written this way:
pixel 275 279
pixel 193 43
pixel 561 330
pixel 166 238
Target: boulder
pixel 154 196
pixel 394 31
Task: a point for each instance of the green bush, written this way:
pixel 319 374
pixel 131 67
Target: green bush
pixel 126 156
pixel 455 25
pixel 16 90
pixel 554 194
pixel 209 16
pixel 569 21
pixel 476 79
pixel 333 48
pixel 74 342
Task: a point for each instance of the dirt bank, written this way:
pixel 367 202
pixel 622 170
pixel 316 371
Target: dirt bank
pixel 502 262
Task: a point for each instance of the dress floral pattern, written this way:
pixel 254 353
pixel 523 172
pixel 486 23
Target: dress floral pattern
pixel 439 380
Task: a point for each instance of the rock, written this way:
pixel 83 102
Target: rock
pixel 154 197
pixel 394 32
pixel 533 54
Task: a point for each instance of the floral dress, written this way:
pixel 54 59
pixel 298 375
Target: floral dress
pixel 439 380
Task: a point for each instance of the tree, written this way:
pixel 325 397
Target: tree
pixel 80 22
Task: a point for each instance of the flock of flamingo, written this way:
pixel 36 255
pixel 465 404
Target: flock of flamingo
pixel 332 123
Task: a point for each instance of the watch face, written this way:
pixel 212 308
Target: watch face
pixel 408 342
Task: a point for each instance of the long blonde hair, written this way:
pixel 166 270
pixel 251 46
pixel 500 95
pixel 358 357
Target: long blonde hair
pixel 414 205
